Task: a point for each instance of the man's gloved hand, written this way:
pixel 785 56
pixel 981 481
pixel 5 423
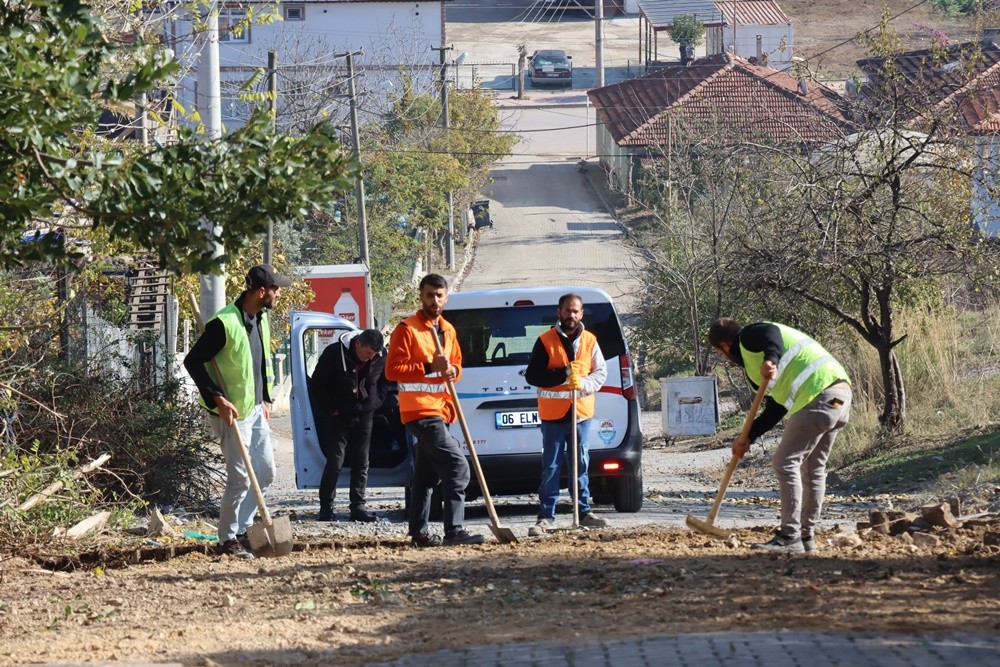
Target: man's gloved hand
pixel 580 367
pixel 575 381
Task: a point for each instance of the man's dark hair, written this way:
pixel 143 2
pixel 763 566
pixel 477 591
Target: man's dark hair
pixel 571 296
pixel 372 339
pixel 434 280
pixel 724 330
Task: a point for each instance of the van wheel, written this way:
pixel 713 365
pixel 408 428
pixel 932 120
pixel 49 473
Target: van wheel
pixel 437 504
pixel 628 493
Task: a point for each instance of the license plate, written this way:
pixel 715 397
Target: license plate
pixel 518 419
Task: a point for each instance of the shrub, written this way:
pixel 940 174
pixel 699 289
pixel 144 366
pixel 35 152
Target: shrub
pixel 686 29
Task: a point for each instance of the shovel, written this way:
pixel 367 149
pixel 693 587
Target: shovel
pixel 708 526
pixel 575 446
pixel 504 535
pixel 270 537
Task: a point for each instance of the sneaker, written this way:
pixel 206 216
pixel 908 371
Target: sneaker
pixel 781 544
pixel 244 540
pixel 235 549
pixel 363 515
pixel 460 537
pixel 424 540
pixel 541 527
pixel 808 543
pixel 588 520
pixel 325 513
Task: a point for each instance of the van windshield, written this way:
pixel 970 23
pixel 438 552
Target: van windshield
pixel 506 336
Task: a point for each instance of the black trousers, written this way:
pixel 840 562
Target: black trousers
pixel 338 437
pixel 437 457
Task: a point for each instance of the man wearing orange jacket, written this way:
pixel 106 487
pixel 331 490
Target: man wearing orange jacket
pixel 565 358
pixel 426 407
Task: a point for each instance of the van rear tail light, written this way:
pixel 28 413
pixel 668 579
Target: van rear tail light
pixel 628 386
pixel 611 465
pixel 523 302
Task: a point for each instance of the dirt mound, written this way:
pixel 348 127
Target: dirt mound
pixel 377 602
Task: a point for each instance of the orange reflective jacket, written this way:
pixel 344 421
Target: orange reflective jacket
pixel 554 402
pixel 411 348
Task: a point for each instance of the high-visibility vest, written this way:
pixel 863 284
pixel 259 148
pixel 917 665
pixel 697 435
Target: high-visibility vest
pixel 554 402
pixel 235 360
pixel 422 396
pixel 805 369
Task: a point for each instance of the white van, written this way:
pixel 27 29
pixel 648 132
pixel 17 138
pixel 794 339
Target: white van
pixel 389 461
pixel 496 330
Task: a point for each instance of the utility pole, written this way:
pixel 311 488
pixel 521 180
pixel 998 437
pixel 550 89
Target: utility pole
pixel 734 27
pixel 599 42
pixel 272 98
pixel 450 237
pixel 209 103
pixel 359 186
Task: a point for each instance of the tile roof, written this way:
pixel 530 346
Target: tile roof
pixel 964 76
pixel 721 90
pixel 753 12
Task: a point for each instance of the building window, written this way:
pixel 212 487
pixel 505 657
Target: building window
pixel 294 12
pixel 233 25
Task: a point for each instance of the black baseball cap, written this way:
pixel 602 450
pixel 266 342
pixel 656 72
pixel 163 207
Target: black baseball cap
pixel 264 275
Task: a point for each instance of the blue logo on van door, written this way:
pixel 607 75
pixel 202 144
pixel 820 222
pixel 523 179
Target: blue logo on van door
pixel 606 431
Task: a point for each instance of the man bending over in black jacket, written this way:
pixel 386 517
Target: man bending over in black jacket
pixel 345 390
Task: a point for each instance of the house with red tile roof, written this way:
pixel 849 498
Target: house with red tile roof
pixel 951 89
pixel 715 99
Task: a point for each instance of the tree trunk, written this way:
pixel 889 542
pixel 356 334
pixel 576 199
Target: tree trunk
pixel 894 409
pixel 520 77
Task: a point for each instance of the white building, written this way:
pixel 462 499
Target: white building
pixel 307 35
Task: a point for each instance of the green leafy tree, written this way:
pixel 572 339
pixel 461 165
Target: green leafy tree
pixel 59 70
pixel 688 32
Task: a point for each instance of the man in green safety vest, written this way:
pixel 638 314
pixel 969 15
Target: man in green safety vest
pixel 806 383
pixel 238 339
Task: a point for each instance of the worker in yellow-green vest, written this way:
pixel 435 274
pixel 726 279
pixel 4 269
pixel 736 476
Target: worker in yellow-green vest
pixel 806 383
pixel 238 339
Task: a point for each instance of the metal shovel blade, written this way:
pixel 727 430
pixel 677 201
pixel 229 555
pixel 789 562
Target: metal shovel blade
pixel 271 541
pixel 503 534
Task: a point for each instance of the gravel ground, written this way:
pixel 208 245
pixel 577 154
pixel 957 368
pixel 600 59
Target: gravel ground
pixel 677 482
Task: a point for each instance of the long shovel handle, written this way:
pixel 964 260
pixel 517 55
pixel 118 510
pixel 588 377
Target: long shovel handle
pixel 265 516
pixel 480 477
pixel 575 444
pixel 744 434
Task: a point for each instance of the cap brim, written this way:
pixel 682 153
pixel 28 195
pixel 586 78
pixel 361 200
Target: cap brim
pixel 281 281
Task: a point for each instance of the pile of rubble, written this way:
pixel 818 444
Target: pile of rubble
pixel 939 524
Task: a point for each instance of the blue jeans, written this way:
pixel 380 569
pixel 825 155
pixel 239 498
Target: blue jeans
pixel 555 453
pixel 238 505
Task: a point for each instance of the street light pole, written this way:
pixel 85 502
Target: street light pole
pixel 209 102
pixel 450 238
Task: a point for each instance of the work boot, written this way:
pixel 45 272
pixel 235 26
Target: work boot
pixel 363 515
pixel 325 512
pixel 541 527
pixel 589 520
pixel 462 537
pixel 781 543
pixel 235 549
pixel 425 540
pixel 244 540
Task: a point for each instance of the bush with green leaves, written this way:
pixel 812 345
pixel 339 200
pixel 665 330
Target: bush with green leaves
pixel 686 29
